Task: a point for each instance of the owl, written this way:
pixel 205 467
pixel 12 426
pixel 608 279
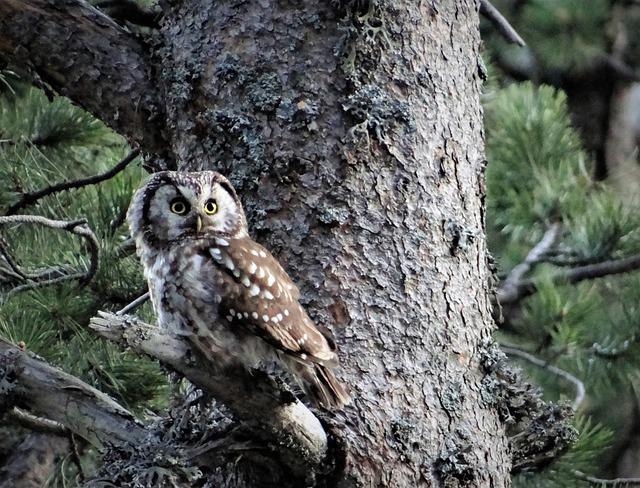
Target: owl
pixel 210 282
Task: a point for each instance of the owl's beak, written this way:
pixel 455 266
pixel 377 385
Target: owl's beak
pixel 198 224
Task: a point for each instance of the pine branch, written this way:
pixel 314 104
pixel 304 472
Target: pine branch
pixel 77 227
pixel 616 482
pixel 80 52
pixel 252 396
pixel 33 197
pixel 527 288
pixel 500 23
pixel 578 384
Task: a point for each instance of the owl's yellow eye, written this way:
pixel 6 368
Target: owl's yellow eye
pixel 210 207
pixel 179 206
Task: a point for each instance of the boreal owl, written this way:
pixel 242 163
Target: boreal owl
pixel 210 282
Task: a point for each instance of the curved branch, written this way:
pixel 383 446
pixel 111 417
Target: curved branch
pixel 32 197
pixel 254 397
pixel 78 227
pixel 86 56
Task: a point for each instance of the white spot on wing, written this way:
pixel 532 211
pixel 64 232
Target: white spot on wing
pixel 263 254
pixel 270 280
pixel 286 311
pixel 254 252
pixel 245 281
pixel 222 242
pixel 254 290
pixel 254 315
pixel 252 267
pixel 228 263
pixel 268 295
pixel 265 318
pixel 261 273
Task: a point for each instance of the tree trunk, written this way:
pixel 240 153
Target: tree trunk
pixel 353 132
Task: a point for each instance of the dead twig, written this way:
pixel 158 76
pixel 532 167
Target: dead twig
pixel 77 227
pixel 500 23
pixel 578 384
pixel 38 424
pixel 134 304
pixel 32 197
pixel 615 482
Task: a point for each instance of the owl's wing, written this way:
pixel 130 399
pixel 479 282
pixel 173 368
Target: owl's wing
pixel 266 301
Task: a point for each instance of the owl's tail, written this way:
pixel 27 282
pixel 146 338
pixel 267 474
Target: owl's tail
pixel 322 387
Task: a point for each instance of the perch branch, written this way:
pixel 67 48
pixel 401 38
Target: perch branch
pixel 254 397
pixel 499 22
pixel 85 55
pixel 579 385
pixel 32 197
pixel 38 387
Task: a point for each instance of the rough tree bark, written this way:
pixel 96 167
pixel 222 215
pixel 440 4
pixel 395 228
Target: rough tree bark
pixel 353 132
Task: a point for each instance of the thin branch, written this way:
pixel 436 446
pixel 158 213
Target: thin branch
pixel 615 482
pixel 579 385
pixel 527 288
pixel 254 397
pixel 500 23
pixel 510 285
pixel 78 227
pixel 31 198
pixel 47 391
pixel 38 424
pixel 134 304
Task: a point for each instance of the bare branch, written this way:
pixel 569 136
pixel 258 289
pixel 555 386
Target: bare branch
pixel 616 482
pixel 84 55
pixel 254 397
pixel 47 391
pixel 499 22
pixel 527 288
pixel 31 198
pixel 78 227
pixel 134 304
pixel 579 385
pixel 510 285
pixel 38 424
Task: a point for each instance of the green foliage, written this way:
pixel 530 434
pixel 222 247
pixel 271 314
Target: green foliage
pixel 538 174
pixel 42 143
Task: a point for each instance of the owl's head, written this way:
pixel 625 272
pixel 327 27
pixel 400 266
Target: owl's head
pixel 176 205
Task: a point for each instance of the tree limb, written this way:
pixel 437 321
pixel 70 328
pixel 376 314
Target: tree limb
pixel 34 385
pixel 254 397
pixel 527 288
pixel 32 197
pixel 86 56
pixel 499 22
